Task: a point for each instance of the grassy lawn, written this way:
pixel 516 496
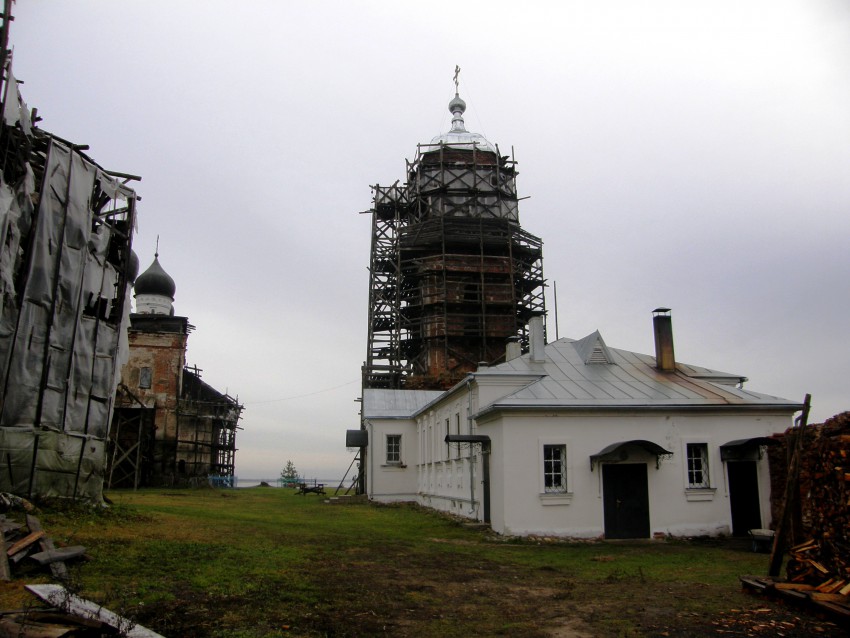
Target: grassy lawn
pixel 264 562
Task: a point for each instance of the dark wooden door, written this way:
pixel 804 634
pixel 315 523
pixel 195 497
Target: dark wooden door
pixel 744 496
pixel 625 497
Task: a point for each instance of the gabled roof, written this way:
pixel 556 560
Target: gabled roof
pixel 571 378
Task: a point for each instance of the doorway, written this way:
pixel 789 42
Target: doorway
pixel 744 496
pixel 625 499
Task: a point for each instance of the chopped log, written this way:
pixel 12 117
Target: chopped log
pixel 25 542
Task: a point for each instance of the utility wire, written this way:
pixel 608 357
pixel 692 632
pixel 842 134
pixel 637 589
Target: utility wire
pixel 301 396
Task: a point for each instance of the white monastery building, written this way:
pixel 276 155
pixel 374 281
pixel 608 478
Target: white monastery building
pixel 576 439
pixel 571 438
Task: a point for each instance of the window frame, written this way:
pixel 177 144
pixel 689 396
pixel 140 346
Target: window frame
pixel 549 473
pixel 698 478
pixel 145 378
pixel 392 441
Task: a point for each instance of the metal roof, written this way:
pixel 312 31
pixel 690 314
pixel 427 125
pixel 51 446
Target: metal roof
pixel 458 136
pixel 571 378
pixel 630 380
pixel 398 404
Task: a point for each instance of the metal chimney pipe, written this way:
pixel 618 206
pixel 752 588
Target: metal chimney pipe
pixel 662 323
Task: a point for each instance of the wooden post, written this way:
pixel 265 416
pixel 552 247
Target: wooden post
pixel 791 492
pixel 5 571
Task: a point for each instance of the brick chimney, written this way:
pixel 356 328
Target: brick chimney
pixel 662 323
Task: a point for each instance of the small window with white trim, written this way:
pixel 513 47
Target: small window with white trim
pixel 698 476
pixel 555 468
pixel 393 449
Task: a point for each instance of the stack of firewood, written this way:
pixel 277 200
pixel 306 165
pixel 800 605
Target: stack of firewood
pixel 823 560
pixel 825 499
pixel 805 568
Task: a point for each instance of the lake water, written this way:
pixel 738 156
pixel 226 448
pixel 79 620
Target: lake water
pixel 254 482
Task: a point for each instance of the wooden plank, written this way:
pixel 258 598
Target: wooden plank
pixel 5 570
pixel 62 553
pixel 833 598
pixel 839 610
pixel 25 542
pixel 58 568
pixel 9 526
pixel 795 586
pixel 793 594
pixel 58 596
pixel 753 582
pixel 20 625
pixel 791 490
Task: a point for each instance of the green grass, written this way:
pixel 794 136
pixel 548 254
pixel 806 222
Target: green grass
pixel 266 562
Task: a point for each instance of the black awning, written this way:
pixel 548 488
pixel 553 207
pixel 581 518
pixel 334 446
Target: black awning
pixel 742 449
pixel 467 438
pixel 616 451
pixel 356 438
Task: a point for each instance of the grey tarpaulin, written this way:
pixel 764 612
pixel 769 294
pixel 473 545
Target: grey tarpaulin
pixel 66 229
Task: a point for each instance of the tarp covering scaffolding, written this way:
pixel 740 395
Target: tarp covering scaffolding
pixel 66 229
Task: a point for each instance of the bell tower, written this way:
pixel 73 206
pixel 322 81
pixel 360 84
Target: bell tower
pixel 453 276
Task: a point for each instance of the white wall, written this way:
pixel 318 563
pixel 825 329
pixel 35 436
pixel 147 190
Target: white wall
pixel 516 468
pixel 449 479
pixel 391 482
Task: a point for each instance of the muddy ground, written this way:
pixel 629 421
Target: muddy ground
pixel 402 594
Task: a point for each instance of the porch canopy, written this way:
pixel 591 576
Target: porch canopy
pixel 744 449
pixel 617 451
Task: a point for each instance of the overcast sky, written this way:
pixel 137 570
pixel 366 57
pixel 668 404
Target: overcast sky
pixel 694 155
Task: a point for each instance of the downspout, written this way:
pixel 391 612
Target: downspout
pixel 370 476
pixel 471 456
pixel 485 479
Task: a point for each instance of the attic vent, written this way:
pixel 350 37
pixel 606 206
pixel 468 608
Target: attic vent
pixel 592 349
pixel 597 356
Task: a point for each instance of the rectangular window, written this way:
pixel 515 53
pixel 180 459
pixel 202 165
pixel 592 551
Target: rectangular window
pixel 698 465
pixel 457 431
pixel 144 377
pixel 393 449
pixel 555 468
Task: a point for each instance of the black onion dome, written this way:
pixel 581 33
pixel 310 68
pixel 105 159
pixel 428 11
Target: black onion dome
pixel 155 281
pixel 132 267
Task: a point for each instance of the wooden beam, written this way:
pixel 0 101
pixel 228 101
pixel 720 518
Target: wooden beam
pixel 58 596
pixel 791 492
